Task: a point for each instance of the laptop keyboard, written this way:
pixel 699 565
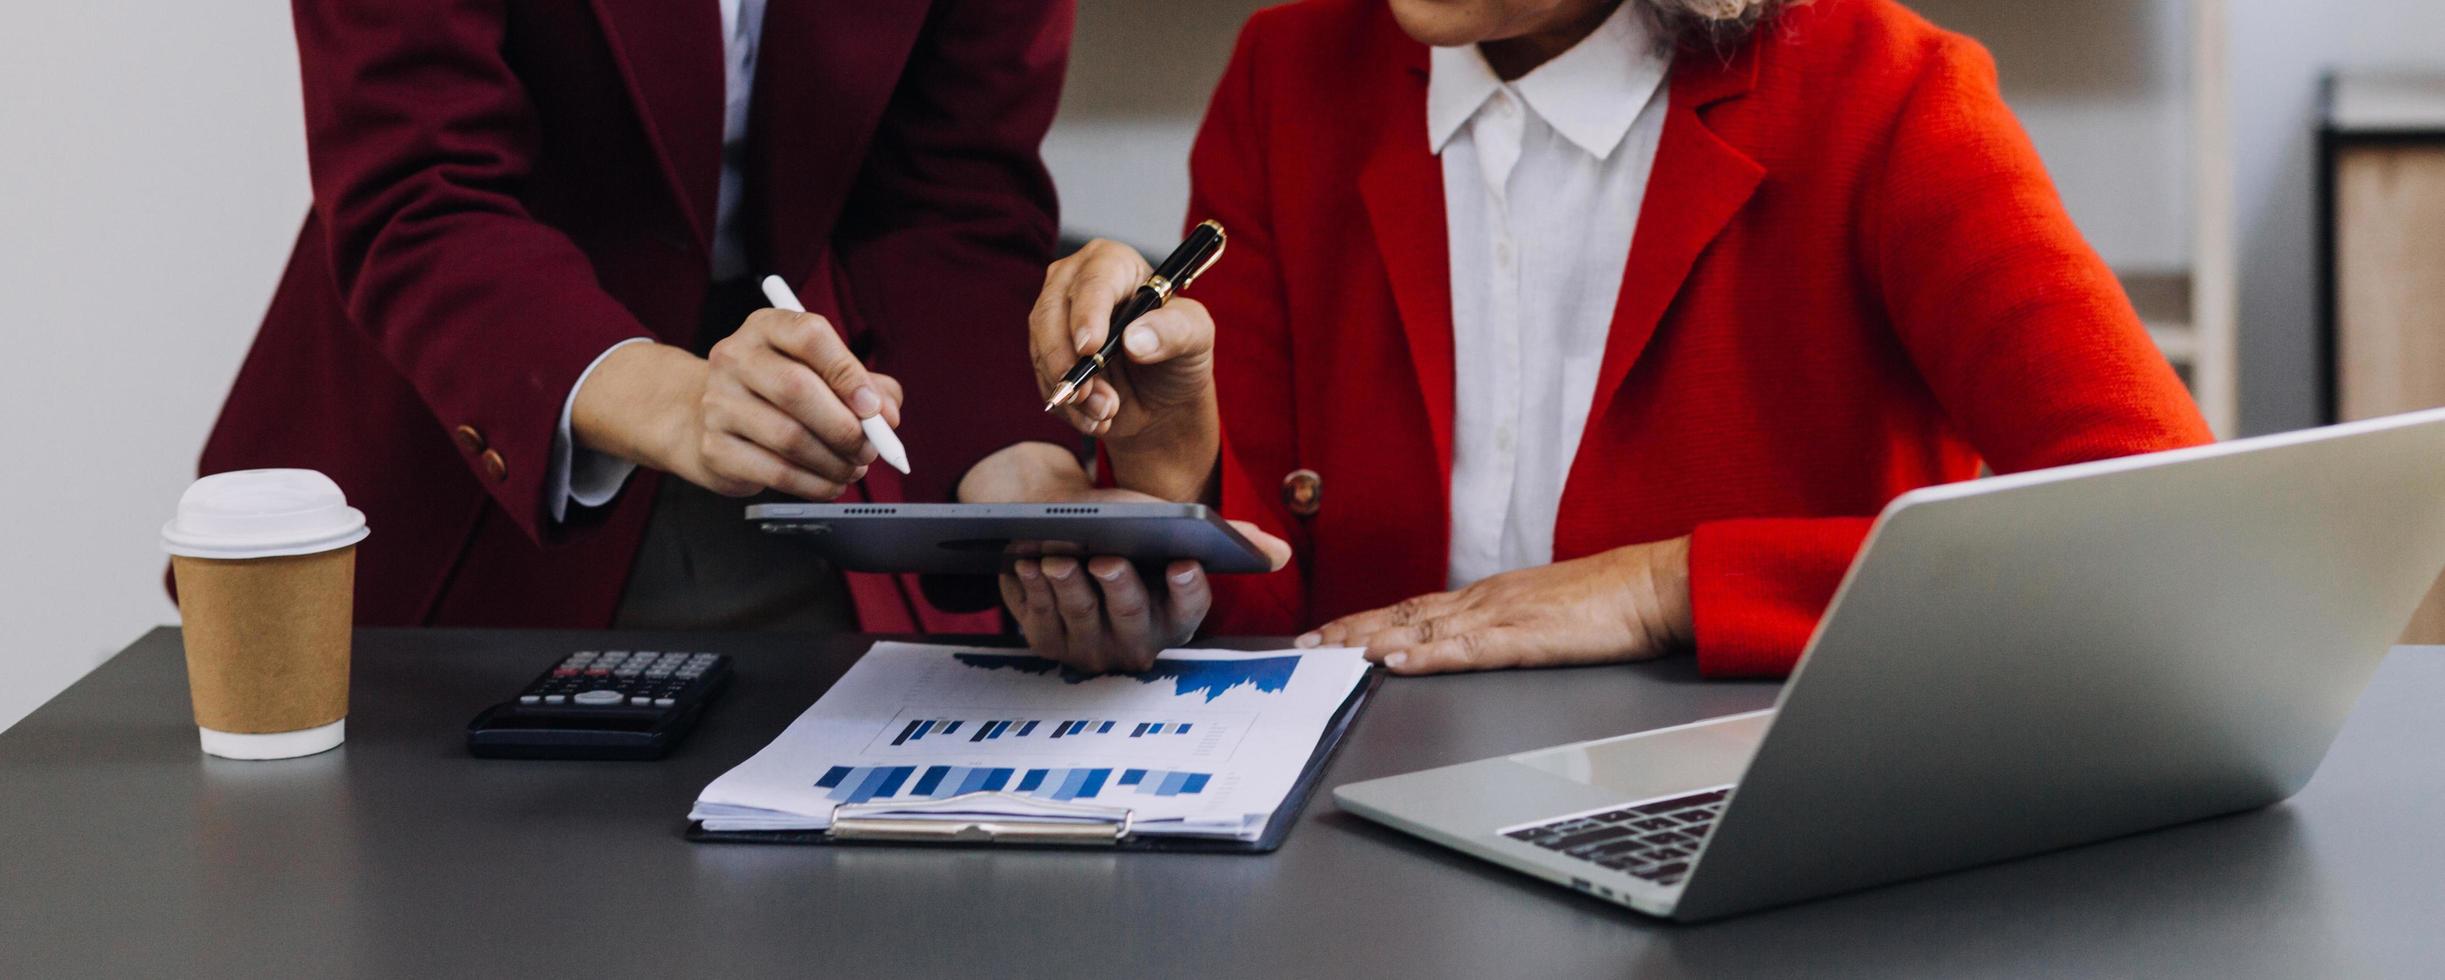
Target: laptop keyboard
pixel 1654 841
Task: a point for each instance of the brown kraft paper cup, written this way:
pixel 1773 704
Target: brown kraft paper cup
pixel 267 639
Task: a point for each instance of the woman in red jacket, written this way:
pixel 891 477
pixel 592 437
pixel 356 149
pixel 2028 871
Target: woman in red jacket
pixel 1574 331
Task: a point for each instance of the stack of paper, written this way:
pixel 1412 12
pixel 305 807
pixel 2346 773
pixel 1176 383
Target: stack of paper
pixel 1207 743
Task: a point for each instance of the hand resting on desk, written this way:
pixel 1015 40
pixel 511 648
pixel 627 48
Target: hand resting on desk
pixel 1096 614
pixel 1630 603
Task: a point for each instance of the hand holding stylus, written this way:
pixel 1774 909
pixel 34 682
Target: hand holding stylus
pixel 878 432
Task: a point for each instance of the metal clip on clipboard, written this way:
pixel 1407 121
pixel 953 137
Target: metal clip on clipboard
pixel 903 821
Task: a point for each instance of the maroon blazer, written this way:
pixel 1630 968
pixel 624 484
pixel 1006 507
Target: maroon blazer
pixel 504 190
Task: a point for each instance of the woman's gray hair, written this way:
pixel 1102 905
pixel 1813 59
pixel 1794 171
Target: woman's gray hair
pixel 1720 22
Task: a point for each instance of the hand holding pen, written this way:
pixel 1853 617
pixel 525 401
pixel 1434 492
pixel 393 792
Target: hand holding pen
pixel 1123 356
pixel 1186 263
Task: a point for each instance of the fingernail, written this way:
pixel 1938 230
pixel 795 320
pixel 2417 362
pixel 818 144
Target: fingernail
pixel 865 402
pixel 1396 660
pixel 1140 341
pixel 1308 641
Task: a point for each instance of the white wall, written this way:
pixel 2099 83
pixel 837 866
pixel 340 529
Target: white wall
pixel 1120 148
pixel 152 179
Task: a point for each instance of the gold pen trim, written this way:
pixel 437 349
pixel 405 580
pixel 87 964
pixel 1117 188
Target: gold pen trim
pixel 1222 241
pixel 1069 389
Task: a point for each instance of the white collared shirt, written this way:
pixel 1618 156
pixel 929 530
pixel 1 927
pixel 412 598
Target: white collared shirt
pixel 1543 178
pixel 590 479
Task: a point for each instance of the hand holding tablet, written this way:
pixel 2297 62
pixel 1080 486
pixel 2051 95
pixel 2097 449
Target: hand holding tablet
pixel 988 539
pixel 1098 578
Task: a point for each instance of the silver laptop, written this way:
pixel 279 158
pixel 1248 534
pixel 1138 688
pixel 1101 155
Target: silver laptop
pixel 2013 665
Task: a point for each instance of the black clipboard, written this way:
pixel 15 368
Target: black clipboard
pixel 1114 836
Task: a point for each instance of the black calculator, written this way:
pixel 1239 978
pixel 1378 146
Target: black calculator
pixel 602 704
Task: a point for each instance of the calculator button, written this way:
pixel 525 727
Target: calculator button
pixel 598 696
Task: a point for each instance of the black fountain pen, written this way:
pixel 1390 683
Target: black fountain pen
pixel 1186 263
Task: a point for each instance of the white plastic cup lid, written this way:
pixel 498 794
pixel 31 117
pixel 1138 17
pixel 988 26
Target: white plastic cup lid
pixel 262 514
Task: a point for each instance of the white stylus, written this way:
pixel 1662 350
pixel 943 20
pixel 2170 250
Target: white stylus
pixel 886 442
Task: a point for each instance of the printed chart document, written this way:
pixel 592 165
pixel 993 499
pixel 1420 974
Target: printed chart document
pixel 1207 743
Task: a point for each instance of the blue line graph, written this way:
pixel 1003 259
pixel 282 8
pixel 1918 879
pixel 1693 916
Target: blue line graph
pixel 1213 678
pixel 866 784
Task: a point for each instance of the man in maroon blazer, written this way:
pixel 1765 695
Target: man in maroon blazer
pixel 527 272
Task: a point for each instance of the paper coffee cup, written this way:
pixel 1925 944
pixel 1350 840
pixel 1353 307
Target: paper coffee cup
pixel 265 562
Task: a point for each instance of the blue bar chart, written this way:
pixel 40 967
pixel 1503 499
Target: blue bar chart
pixel 1209 679
pixel 913 731
pixel 867 784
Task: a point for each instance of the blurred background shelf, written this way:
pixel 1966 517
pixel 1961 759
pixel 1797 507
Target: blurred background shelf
pixel 2381 176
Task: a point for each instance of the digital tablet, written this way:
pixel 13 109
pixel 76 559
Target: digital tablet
pixel 983 539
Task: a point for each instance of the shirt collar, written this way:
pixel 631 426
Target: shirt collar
pixel 1590 94
pixel 1458 81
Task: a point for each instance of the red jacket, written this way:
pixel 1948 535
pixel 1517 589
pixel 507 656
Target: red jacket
pixel 504 190
pixel 1851 277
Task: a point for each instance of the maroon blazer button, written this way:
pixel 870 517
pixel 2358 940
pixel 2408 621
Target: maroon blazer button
pixel 494 466
pixel 1303 492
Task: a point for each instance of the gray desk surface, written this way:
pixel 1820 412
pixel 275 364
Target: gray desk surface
pixel 129 853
